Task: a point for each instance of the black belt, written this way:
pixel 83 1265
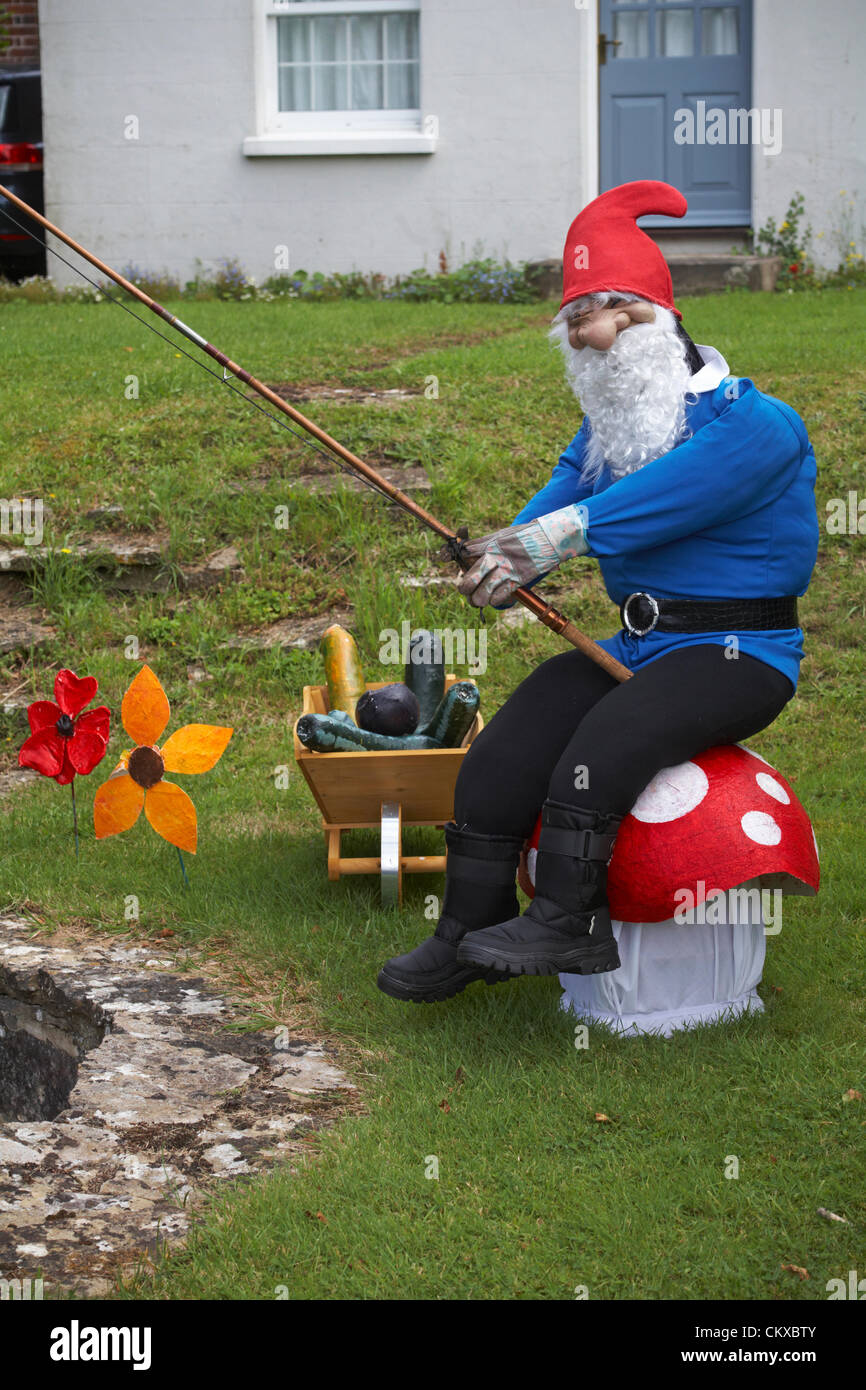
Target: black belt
pixel 641 613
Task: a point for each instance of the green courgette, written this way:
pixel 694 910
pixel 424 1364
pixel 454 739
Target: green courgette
pixel 322 733
pixel 425 673
pixel 455 715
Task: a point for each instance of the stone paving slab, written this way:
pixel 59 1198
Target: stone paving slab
pixel 167 1105
pixel 288 633
pixel 15 777
pixel 129 564
pixel 327 479
pixel 408 480
pixel 126 553
pixel 348 395
pixel 19 631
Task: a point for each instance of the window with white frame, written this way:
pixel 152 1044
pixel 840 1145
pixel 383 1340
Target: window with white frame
pixel 347 69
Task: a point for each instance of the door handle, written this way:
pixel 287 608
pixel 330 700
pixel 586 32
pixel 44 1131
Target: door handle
pixel 603 44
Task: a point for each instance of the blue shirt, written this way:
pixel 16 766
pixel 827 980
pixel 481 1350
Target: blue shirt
pixel 728 513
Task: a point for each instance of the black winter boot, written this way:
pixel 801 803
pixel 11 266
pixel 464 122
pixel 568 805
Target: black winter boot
pixel 479 890
pixel 567 925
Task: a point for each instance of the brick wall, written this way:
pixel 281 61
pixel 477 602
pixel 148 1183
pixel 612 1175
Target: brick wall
pixel 19 24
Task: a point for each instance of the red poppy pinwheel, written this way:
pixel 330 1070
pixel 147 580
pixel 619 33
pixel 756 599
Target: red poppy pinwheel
pixel 64 742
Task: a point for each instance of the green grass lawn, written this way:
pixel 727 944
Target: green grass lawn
pixel 535 1197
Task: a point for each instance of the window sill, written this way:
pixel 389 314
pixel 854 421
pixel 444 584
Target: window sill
pixel 344 142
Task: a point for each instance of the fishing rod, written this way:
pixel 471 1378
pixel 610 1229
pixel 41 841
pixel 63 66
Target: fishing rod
pixel 544 612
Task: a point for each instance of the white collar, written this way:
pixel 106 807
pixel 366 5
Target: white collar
pixel 712 373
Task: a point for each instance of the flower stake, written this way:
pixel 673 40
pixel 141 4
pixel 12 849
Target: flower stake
pixel 64 742
pixel 138 780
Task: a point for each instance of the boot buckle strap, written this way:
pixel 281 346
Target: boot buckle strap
pixel 576 844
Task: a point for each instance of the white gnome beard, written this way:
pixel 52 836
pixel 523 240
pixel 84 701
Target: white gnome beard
pixel 634 394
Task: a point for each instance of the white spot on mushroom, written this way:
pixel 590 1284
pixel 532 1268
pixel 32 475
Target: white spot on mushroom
pixel 773 788
pixel 672 793
pixel 815 843
pixel 760 827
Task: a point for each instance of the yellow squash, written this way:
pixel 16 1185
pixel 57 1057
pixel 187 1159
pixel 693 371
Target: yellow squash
pixel 343 673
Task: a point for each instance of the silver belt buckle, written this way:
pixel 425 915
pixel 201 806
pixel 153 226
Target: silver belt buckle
pixel 629 625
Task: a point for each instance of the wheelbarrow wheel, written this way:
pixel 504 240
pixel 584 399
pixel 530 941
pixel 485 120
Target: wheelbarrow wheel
pixel 391 855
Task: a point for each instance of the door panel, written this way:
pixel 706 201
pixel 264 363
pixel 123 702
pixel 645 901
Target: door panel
pixel 664 57
pixel 713 170
pixel 639 132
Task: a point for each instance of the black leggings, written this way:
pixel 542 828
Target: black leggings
pixel 573 734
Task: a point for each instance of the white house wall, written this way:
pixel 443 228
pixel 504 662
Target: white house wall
pixel 511 83
pixel 809 61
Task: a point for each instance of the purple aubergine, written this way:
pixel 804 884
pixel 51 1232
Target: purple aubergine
pixel 392 710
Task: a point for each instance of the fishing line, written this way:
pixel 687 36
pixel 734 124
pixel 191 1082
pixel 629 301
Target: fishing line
pixel 277 419
pixel 327 447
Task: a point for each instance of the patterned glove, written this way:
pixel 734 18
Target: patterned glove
pixel 505 560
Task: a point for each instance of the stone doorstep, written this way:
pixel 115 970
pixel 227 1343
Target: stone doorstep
pixel 711 272
pixel 694 273
pixel 166 1105
pixel 131 565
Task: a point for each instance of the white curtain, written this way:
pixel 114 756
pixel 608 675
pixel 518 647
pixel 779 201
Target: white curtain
pixel 348 62
pixel 675 33
pixel 330 43
pixel 401 51
pixel 719 33
pixel 367 63
pixel 294 40
pixel 632 30
pixel 294 45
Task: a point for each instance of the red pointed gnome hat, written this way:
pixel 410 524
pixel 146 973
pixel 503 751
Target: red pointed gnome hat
pixel 605 248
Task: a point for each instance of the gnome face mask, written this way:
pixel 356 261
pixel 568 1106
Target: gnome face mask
pixel 634 389
pixel 596 325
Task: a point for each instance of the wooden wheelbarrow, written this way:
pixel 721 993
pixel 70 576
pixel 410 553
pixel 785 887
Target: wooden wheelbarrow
pixel 367 789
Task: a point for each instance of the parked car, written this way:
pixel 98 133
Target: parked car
pixel 20 168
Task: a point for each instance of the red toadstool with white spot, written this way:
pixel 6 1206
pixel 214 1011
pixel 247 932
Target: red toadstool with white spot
pixel 723 819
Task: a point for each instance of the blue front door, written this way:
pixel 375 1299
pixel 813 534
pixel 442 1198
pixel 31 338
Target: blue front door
pixel 663 59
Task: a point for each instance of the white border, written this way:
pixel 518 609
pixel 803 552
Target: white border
pixel 329 132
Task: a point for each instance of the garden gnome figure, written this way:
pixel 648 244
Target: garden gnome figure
pixel 694 491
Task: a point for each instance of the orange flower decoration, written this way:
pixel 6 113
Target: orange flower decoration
pixel 138 782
